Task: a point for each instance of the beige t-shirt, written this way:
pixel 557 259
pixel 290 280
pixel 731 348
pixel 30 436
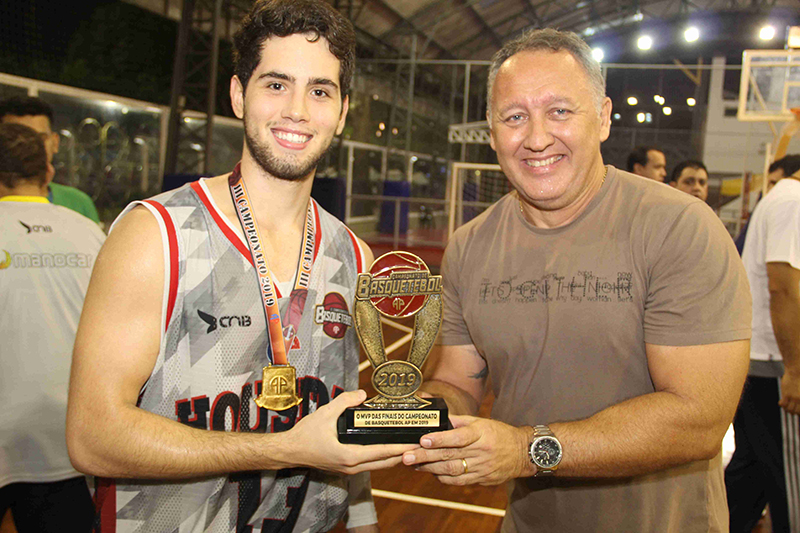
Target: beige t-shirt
pixel 562 317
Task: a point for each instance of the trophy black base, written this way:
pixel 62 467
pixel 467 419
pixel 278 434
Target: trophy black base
pixel 392 425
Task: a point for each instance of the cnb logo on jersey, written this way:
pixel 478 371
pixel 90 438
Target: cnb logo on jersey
pixel 224 322
pixel 36 228
pixel 333 315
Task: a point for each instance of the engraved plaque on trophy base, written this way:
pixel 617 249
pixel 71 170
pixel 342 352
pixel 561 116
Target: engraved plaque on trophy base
pixel 393 424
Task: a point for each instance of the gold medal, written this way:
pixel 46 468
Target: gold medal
pixel 278 388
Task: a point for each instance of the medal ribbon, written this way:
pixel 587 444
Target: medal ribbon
pixel 276 351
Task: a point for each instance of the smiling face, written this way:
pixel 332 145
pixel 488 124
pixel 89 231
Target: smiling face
pixel 546 129
pixel 693 181
pixel 292 107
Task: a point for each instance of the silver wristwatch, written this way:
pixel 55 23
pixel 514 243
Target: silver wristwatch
pixel 544 451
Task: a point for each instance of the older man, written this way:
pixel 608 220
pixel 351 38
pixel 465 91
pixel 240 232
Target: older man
pixel 612 314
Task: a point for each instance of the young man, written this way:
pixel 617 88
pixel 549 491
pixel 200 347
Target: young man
pixel 46 257
pixel 195 293
pixel 611 313
pixel 648 162
pixel 38 115
pixel 765 468
pixel 782 168
pixel 691 177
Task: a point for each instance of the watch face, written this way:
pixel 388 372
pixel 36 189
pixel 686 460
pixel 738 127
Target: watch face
pixel 546 452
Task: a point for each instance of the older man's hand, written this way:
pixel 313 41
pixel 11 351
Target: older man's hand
pixel 477 451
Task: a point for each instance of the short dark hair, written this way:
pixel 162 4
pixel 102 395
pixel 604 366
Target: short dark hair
pixel 281 18
pixel 689 163
pixel 639 155
pixel 22 155
pixel 789 164
pixel 23 106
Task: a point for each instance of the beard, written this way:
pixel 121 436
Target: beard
pixel 289 168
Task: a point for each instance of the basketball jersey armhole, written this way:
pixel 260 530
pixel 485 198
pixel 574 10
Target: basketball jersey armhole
pixel 361 257
pixel 169 241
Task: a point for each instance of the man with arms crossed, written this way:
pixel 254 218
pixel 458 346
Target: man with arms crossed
pixel 46 257
pixel 174 336
pixel 648 162
pixel 765 468
pixel 623 366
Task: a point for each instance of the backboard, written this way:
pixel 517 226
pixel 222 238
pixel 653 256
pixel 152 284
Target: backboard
pixel 770 85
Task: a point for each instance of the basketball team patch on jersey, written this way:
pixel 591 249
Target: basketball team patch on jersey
pixel 333 315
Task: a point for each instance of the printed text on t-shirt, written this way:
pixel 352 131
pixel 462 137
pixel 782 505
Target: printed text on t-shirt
pixel 584 285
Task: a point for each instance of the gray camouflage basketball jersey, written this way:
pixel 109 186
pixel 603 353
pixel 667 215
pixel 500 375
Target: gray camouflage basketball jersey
pixel 209 370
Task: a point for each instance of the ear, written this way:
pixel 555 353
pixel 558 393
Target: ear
pixel 491 131
pixel 638 168
pixel 50 174
pixel 56 142
pixel 605 119
pixel 237 96
pixel 343 114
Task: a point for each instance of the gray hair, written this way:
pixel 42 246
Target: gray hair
pixel 555 41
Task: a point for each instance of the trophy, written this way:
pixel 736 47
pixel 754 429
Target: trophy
pixel 398 285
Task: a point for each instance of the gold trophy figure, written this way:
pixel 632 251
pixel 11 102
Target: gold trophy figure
pixel 398 285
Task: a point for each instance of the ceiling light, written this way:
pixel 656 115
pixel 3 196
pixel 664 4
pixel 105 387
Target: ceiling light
pixel 648 118
pixel 640 117
pixel 588 31
pixel 597 54
pixel 378 133
pixel 632 100
pixel 766 33
pixel 691 34
pixel 645 42
pixel 658 99
pixel 667 110
pixel 617 116
pixel 381 126
pixel 691 101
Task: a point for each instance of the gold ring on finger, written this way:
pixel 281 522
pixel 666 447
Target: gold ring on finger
pixel 466 468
